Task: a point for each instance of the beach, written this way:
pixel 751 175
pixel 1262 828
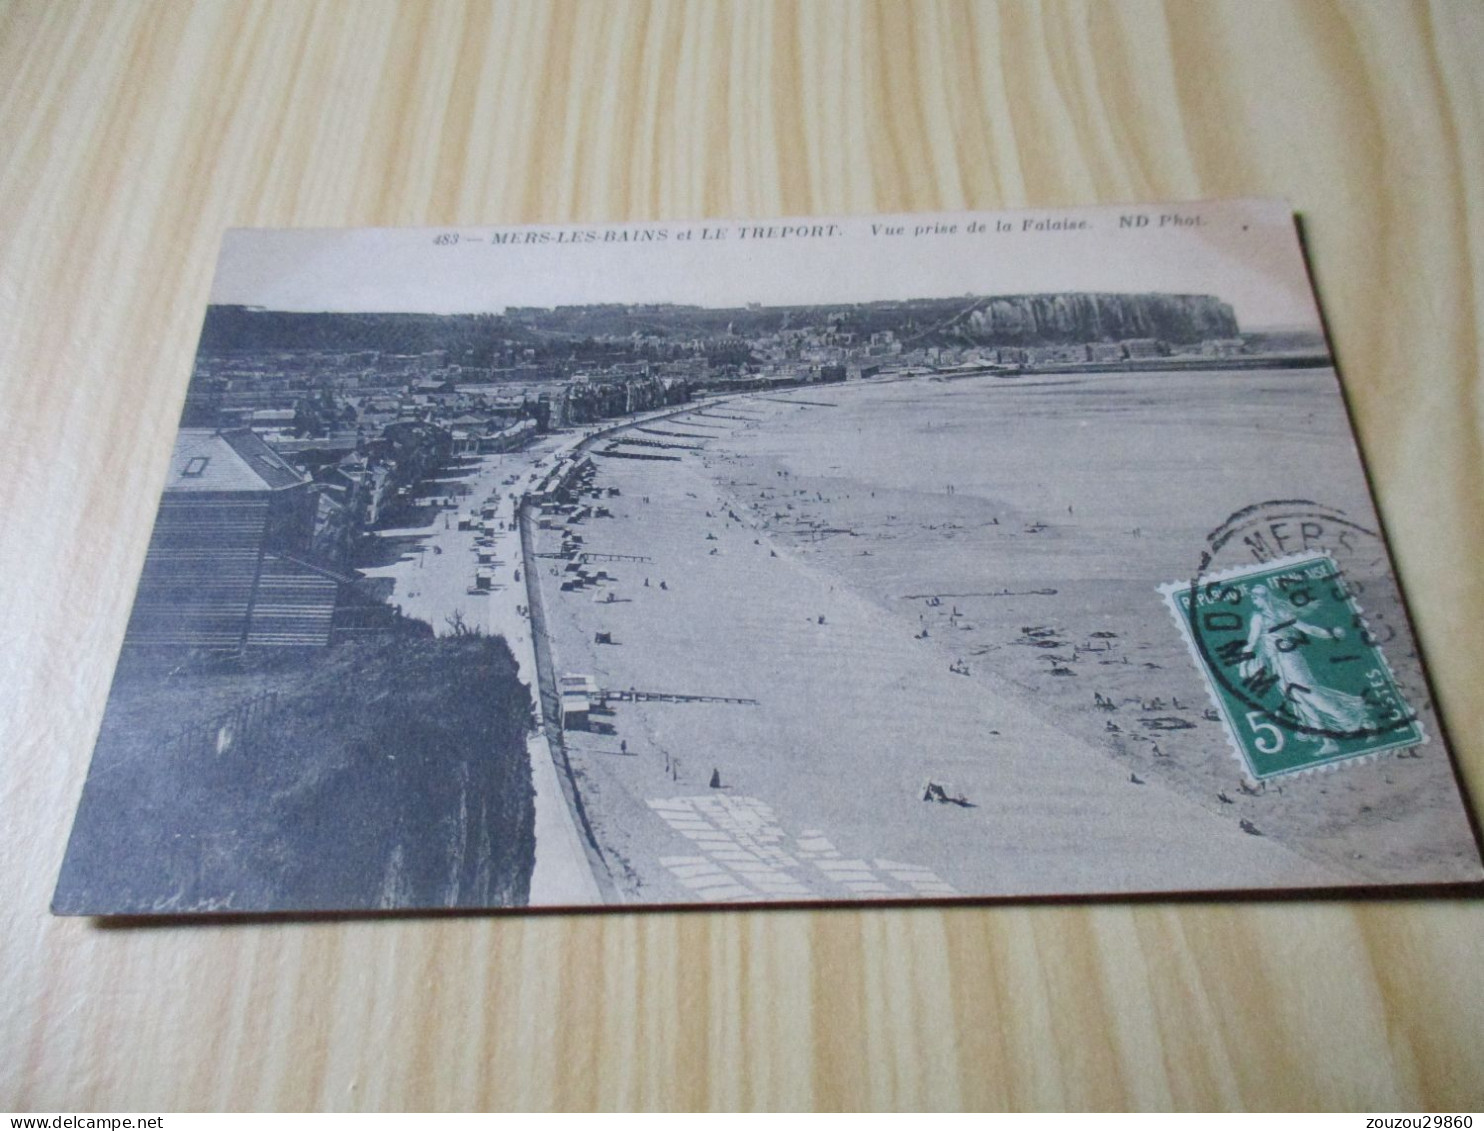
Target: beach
pixel 942 597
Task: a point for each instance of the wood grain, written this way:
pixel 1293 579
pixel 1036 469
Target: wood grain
pixel 133 133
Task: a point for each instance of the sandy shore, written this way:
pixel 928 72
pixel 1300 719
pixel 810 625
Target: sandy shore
pixel 800 549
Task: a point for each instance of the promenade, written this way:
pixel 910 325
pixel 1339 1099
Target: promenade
pixel 432 580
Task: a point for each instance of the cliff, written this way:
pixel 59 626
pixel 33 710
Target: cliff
pixel 475 339
pixel 1027 320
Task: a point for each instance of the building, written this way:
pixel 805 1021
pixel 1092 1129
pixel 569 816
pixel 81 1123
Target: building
pixel 228 564
pixel 579 693
pixel 1143 349
pixel 509 439
pixel 1223 347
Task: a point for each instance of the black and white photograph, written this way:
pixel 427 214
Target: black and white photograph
pixel 902 558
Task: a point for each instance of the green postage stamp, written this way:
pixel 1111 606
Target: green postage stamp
pixel 1296 676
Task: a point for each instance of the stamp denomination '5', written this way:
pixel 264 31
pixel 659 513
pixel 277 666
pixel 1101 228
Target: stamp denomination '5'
pixel 1291 666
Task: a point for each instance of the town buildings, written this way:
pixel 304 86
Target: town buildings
pixel 302 433
pixel 230 563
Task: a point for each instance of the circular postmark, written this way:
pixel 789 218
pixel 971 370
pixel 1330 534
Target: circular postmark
pixel 1274 620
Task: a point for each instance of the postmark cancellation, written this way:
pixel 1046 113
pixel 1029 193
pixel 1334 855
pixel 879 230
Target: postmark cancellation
pixel 1293 670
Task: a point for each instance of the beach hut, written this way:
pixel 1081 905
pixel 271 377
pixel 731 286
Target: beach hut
pixel 576 708
pixel 578 693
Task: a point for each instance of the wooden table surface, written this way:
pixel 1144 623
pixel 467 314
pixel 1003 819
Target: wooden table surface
pixel 133 133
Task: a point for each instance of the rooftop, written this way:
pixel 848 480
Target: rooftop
pixel 237 459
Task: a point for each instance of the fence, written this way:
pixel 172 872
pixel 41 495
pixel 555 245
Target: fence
pixel 233 731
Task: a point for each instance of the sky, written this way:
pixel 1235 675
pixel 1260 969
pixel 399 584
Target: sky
pixel 1244 252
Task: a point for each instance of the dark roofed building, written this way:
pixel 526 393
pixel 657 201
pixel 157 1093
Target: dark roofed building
pixel 227 566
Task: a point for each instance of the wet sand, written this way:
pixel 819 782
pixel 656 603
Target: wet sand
pixel 797 511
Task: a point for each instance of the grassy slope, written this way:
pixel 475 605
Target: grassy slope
pixel 393 775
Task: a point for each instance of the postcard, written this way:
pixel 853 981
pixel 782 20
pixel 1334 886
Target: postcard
pixel 885 558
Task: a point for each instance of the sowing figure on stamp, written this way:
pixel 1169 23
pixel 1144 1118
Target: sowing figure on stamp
pixel 1275 641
